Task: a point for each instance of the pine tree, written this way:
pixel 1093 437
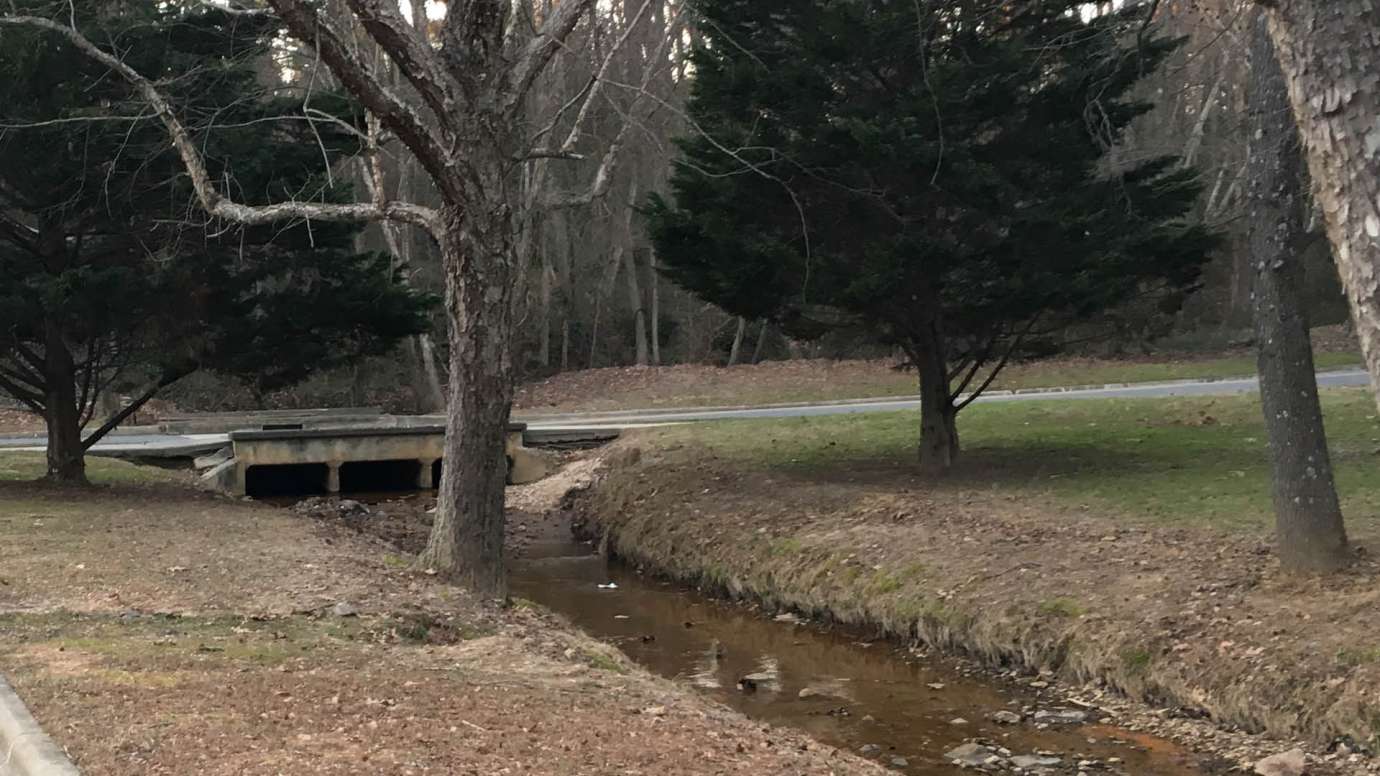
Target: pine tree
pixel 108 271
pixel 935 173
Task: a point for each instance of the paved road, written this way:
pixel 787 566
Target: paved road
pixel 187 444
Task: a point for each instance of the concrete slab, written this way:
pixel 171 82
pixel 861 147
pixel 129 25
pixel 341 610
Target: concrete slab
pixel 25 750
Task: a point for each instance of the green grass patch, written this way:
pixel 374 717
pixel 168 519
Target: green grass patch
pixel 1061 607
pixel 26 466
pixel 1136 660
pixel 1200 460
pixel 1358 656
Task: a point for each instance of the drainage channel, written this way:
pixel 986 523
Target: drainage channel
pixel 864 697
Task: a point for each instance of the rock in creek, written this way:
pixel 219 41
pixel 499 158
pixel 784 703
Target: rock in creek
pixel 1005 717
pixel 1290 763
pixel 1060 717
pixel 972 755
pixel 1027 761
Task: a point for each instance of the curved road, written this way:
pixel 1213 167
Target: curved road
pixel 191 444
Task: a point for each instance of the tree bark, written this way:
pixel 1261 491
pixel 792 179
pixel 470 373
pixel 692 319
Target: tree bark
pixel 737 341
pixel 435 399
pixel 1308 518
pixel 478 257
pixel 1330 54
pixel 66 457
pixel 761 342
pixel 656 311
pixel 639 312
pixel 938 416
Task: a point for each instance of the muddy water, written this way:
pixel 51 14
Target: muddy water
pixel 858 693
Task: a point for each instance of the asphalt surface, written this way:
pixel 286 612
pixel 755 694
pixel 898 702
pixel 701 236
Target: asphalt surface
pixel 192 444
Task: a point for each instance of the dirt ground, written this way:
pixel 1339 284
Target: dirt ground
pixel 154 630
pixel 1198 624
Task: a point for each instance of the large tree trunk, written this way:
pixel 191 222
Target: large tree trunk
pixel 1308 519
pixel 1330 53
pixel 66 458
pixel 938 417
pixel 478 257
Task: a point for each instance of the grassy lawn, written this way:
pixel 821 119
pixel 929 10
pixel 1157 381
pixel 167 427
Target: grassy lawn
pixel 1195 460
pixel 101 471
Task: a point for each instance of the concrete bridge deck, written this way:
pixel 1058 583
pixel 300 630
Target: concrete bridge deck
pixel 408 456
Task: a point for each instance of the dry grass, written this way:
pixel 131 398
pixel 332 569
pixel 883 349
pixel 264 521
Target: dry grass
pixel 694 385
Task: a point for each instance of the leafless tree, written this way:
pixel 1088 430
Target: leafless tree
pixel 467 119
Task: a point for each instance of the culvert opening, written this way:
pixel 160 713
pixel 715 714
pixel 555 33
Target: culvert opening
pixel 379 476
pixel 436 474
pixel 296 479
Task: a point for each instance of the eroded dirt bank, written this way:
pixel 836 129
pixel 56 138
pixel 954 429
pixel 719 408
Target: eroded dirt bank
pixel 1195 624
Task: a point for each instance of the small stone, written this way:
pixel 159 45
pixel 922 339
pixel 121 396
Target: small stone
pixel 345 609
pixel 655 711
pixel 899 762
pixel 971 755
pixel 1061 717
pixel 869 750
pixel 1290 763
pixel 1005 717
pixel 958 721
pixel 788 617
pixel 1039 684
pixel 935 685
pixel 1027 761
pixel 808 692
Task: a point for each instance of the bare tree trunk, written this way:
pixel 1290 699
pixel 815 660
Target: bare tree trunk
pixel 761 342
pixel 1308 518
pixel 66 458
pixel 594 331
pixel 737 341
pixel 565 345
pixel 467 536
pixel 1330 54
pixel 639 312
pixel 436 398
pixel 656 311
pixel 544 319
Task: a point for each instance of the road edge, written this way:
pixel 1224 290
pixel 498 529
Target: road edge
pixel 25 750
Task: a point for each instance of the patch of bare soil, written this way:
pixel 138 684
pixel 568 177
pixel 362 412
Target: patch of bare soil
pixel 684 385
pixel 19 422
pixel 1198 624
pixel 156 631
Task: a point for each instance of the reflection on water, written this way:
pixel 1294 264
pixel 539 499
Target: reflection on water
pixel 841 691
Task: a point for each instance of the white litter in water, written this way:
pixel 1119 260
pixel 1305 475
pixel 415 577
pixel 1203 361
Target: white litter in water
pixel 609 586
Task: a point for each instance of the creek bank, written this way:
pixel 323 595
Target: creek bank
pixel 1188 634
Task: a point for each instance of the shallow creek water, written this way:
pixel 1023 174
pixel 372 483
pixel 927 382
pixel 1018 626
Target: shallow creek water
pixel 859 693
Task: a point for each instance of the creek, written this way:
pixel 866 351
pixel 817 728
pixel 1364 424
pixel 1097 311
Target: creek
pixel 844 690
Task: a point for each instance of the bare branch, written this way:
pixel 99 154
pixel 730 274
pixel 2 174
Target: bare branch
pixel 211 199
pixel 307 25
pixel 416 60
pixel 539 51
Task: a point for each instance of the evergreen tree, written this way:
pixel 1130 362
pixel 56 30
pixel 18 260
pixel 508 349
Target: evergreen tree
pixel 109 272
pixel 936 173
